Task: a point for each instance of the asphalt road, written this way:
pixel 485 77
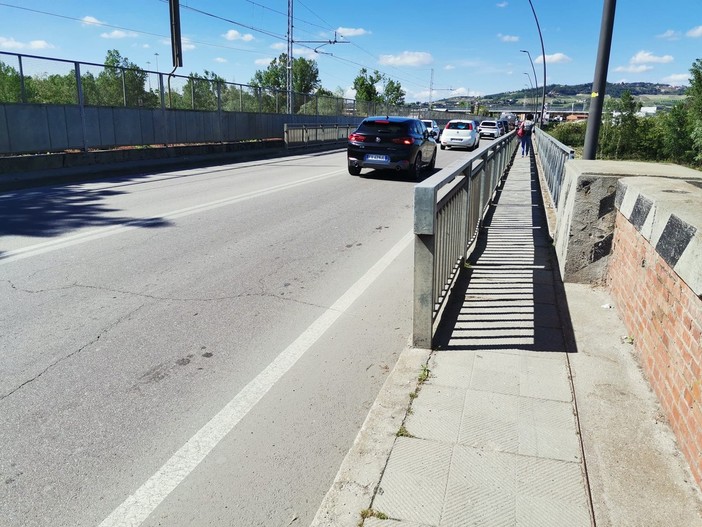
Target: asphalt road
pixel 196 347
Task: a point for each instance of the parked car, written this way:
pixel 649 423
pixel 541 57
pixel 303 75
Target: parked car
pixel 489 129
pixel 432 126
pixel 395 143
pixel 460 132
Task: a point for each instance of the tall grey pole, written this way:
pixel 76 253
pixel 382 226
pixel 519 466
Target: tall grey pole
pixel 543 56
pixel 536 82
pixel 599 83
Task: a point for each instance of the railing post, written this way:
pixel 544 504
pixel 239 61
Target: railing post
pixel 23 93
pixel 124 88
pixel 81 105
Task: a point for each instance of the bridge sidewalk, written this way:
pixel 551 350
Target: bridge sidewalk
pixel 532 411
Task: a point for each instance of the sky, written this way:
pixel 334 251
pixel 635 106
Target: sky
pixel 433 49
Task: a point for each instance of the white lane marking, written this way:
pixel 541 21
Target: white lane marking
pixel 95 234
pixel 137 507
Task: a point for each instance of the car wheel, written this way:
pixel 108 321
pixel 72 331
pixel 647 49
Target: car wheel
pixel 443 147
pixel 354 170
pixel 432 163
pixel 416 168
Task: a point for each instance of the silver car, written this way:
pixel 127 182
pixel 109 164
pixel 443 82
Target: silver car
pixel 462 133
pixel 433 126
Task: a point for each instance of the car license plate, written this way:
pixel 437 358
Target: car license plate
pixel 456 139
pixel 377 158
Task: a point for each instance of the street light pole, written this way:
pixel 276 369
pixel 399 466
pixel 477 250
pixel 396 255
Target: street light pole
pixel 599 84
pixel 532 87
pixel 543 56
pixel 532 69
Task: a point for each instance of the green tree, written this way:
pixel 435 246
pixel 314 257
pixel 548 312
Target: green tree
pixel 693 101
pixel 305 80
pixel 367 95
pixel 9 84
pixel 122 79
pixel 393 94
pixel 200 91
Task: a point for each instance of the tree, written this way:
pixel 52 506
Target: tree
pixel 305 80
pixel 9 84
pixel 694 106
pixel 365 86
pixel 393 94
pixel 121 83
pixel 200 91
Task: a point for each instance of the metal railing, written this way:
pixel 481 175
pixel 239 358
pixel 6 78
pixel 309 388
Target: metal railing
pixel 448 210
pixel 300 135
pixel 553 156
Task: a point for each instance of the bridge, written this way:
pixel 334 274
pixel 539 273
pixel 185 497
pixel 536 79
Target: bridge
pixel 151 320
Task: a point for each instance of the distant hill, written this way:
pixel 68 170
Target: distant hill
pixel 564 94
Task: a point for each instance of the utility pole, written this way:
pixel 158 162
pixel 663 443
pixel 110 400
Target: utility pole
pixel 431 87
pixel 599 83
pixel 289 65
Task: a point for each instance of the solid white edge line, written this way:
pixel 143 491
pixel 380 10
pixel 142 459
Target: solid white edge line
pixel 137 507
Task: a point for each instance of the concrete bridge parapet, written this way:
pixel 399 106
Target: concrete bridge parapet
pixel 636 228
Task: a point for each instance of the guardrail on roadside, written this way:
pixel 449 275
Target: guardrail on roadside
pixel 300 135
pixel 448 210
pixel 553 155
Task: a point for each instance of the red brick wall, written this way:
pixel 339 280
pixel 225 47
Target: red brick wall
pixel 664 317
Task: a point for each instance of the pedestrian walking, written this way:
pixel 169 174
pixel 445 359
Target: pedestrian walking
pixel 524 133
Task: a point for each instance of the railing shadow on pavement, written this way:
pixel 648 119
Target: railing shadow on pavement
pixel 509 294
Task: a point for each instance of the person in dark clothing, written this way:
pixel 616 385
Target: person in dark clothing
pixel 525 129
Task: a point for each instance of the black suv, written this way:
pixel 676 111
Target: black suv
pixel 396 143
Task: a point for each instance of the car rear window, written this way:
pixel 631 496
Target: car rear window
pixel 382 127
pixel 459 126
pixel 489 123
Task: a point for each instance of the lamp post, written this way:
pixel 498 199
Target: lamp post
pixel 600 81
pixel 543 56
pixel 532 87
pixel 156 55
pixel 532 69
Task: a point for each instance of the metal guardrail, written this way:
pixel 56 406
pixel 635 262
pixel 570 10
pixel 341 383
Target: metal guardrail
pixel 300 135
pixel 553 155
pixel 448 210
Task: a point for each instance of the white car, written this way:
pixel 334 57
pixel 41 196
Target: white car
pixel 462 133
pixel 490 129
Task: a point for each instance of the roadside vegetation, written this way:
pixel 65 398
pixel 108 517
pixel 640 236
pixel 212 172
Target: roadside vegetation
pixel 673 136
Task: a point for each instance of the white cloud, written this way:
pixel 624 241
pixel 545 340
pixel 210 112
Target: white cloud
pixel 449 67
pixel 634 68
pixel 263 62
pixel 556 58
pixel 646 57
pixel 695 32
pixel 118 33
pixel 278 45
pixel 233 34
pixel 677 79
pixel 502 4
pixel 91 21
pixel 187 44
pixel 508 38
pixel 352 31
pixel 407 58
pixel 145 46
pixel 221 60
pixel 669 35
pixel 11 43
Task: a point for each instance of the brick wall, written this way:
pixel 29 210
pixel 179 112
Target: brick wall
pixel 663 315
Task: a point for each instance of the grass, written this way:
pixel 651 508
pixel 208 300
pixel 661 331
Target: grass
pixel 370 513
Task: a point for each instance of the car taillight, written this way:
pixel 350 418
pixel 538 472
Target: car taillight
pixel 359 138
pixel 403 140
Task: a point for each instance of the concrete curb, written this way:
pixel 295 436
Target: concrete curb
pixel 357 480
